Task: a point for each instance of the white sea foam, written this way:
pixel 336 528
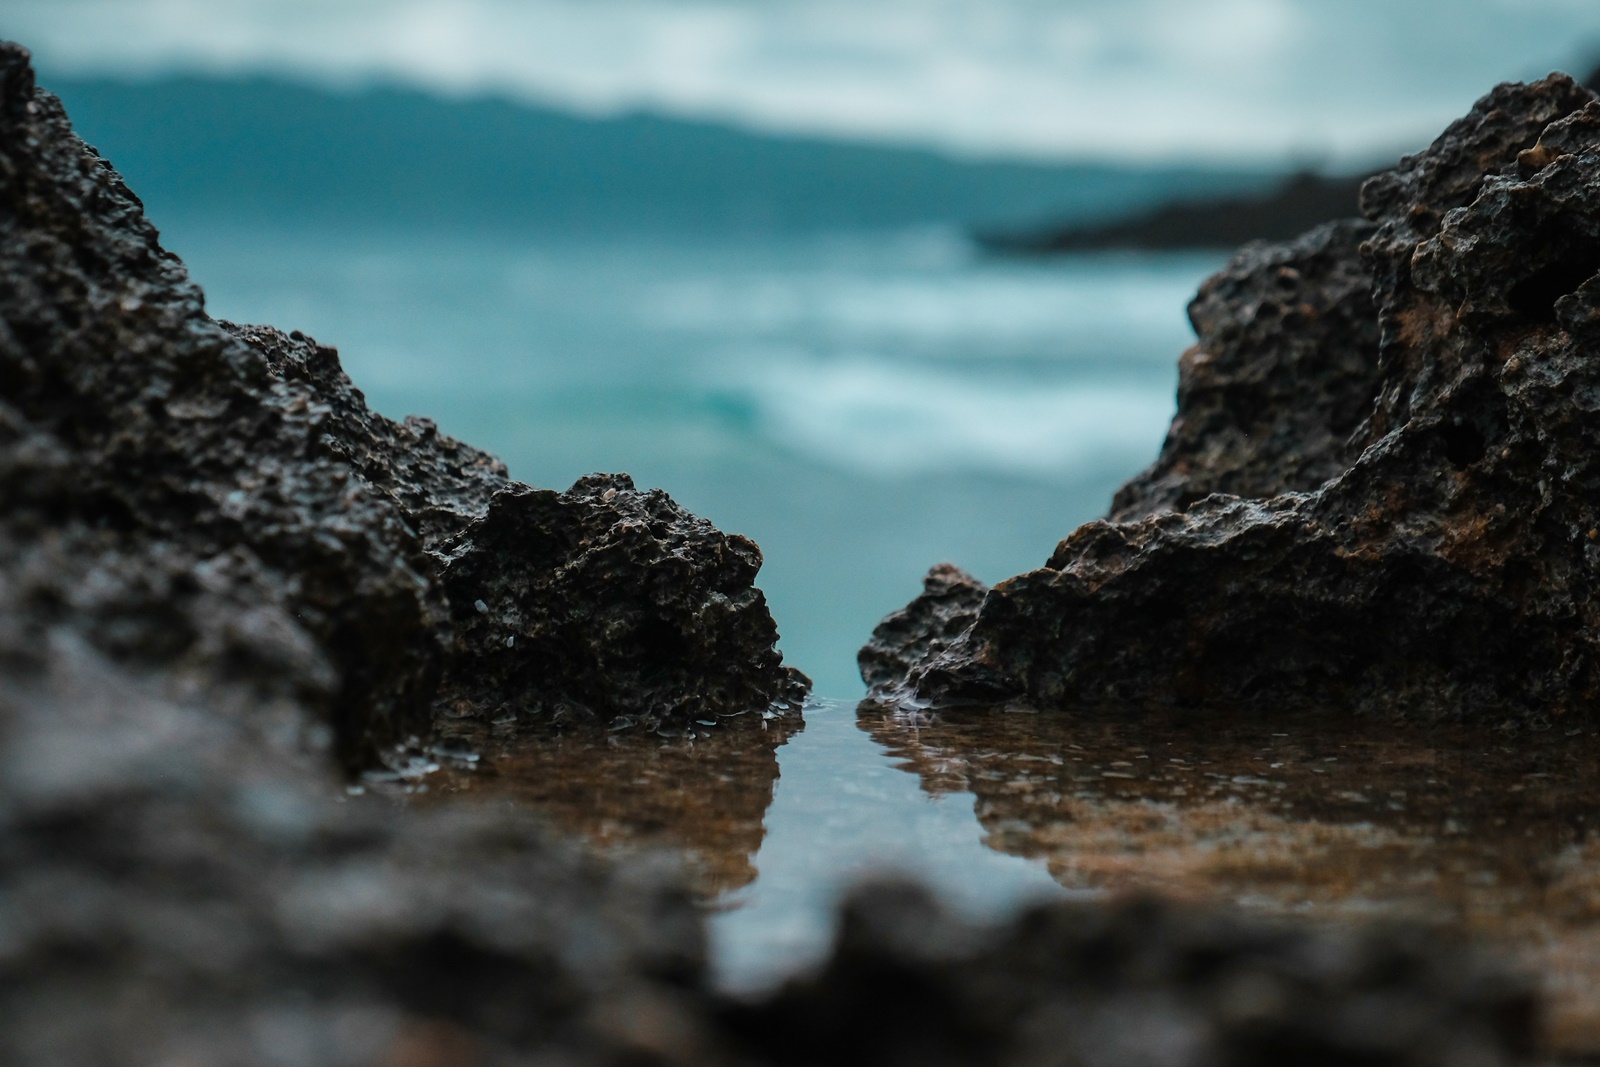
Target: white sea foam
pixel 880 418
pixel 985 313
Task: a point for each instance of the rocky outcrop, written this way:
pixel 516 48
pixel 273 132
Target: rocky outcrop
pixel 221 578
pixel 1447 567
pixel 1283 373
pixel 1302 201
pixel 193 494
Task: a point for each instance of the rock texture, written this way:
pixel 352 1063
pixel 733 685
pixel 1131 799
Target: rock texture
pixel 180 882
pixel 602 603
pixel 221 578
pixel 1283 373
pixel 1447 567
pixel 197 495
pixel 1131 985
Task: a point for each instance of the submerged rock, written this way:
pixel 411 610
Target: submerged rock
pixel 1443 559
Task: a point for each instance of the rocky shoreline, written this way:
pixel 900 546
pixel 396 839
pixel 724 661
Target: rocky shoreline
pixel 1302 201
pixel 1378 492
pixel 226 586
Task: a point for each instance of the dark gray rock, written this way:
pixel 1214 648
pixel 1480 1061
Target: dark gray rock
pixel 183 881
pixel 924 628
pixel 1284 371
pixel 223 581
pixel 174 480
pixel 1132 984
pixel 601 604
pixel 1447 568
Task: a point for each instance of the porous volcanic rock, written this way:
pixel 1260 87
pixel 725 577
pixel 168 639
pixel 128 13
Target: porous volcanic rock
pixel 221 579
pixel 195 495
pixel 602 603
pixel 1131 983
pixel 1448 566
pixel 1283 373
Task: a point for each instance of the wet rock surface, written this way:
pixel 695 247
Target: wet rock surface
pixel 184 490
pixel 1283 372
pixel 1449 569
pixel 223 586
pixel 1136 983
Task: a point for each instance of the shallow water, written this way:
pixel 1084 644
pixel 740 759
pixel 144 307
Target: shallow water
pixel 1486 832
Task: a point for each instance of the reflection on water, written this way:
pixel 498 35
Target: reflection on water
pixel 706 793
pixel 1492 833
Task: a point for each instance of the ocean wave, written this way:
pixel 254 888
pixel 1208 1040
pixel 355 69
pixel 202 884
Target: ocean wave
pixel 884 419
pixel 1069 310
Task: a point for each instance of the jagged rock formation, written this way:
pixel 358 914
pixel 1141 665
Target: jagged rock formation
pixel 1448 567
pixel 602 602
pixel 191 493
pixel 1130 984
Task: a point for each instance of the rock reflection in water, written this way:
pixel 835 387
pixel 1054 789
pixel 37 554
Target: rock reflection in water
pixel 705 793
pixel 1492 833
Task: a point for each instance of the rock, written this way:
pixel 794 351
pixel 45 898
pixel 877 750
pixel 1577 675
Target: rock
pixel 1283 373
pixel 1300 202
pixel 602 603
pixel 198 495
pixel 224 585
pixel 1133 983
pixel 1448 567
pixel 179 884
pixel 924 628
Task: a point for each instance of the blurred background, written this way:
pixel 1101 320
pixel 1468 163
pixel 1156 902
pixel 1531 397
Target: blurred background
pixel 732 246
